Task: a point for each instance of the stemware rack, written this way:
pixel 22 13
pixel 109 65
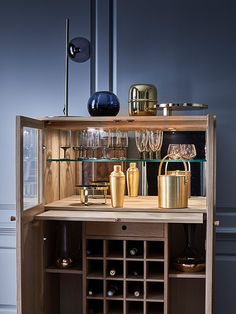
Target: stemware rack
pixel 144 289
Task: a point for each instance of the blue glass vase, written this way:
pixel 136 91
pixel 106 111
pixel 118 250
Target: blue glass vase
pixel 103 103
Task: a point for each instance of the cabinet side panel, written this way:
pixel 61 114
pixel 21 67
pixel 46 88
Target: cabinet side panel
pixel 67 171
pixel 51 170
pixel 32 268
pixel 211 203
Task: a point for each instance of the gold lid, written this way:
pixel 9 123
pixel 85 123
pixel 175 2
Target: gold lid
pixel 142 92
pixel 117 168
pixel 132 165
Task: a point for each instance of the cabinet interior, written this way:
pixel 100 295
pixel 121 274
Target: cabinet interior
pixel 99 239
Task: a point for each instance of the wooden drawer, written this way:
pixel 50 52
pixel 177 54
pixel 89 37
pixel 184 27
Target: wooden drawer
pixel 125 229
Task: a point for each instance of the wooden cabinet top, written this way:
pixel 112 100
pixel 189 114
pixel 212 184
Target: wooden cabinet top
pixel 166 123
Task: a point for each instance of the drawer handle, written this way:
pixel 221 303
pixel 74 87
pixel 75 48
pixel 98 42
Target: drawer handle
pixel 13 218
pixel 124 227
pixel 216 223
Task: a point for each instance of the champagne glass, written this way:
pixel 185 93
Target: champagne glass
pixel 155 141
pixel 113 142
pixel 141 140
pixel 65 141
pixel 122 142
pixel 174 151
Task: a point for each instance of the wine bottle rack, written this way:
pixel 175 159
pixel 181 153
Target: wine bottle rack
pixel 125 275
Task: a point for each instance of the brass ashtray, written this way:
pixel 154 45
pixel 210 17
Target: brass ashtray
pixel 189 264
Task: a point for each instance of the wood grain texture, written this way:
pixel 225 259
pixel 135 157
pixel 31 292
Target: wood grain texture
pixel 51 169
pixel 121 216
pixel 67 173
pixel 187 296
pixel 125 230
pixel 179 123
pixel 211 197
pixel 28 234
pixel 137 204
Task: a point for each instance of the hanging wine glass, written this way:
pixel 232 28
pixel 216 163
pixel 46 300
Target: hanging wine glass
pixel 65 141
pixel 141 140
pixel 155 142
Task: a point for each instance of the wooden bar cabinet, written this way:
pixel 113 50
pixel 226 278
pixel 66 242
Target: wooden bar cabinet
pixel 101 237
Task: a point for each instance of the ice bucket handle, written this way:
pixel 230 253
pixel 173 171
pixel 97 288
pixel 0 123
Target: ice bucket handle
pixel 161 164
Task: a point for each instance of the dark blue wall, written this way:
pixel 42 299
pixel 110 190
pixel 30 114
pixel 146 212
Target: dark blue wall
pixel 32 36
pixel 188 50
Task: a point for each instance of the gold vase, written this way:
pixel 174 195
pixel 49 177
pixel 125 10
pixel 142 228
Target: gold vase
pixel 117 186
pixel 142 100
pixel 132 180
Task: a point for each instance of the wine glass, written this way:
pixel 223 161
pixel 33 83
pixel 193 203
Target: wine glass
pixel 93 141
pixel 141 140
pixel 188 151
pixel 104 142
pixel 113 142
pixel 65 141
pixel 81 143
pixel 174 151
pixel 122 143
pixel 155 141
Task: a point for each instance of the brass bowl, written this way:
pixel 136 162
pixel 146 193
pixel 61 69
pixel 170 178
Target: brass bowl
pixel 64 263
pixel 189 264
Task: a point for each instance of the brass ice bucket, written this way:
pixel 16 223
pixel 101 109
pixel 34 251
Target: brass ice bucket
pixel 172 188
pixel 182 172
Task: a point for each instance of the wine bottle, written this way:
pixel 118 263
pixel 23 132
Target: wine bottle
pixel 112 272
pixel 113 290
pixel 88 252
pixel 137 293
pixel 133 251
pixel 135 273
pixel 90 292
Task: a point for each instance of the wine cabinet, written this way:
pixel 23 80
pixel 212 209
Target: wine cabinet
pixel 74 258
pixel 130 272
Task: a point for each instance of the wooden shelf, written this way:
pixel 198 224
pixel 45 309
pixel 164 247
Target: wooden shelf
pixel 74 271
pixel 178 274
pixel 148 204
pixel 143 209
pixel 179 123
pixel 155 297
pixel 96 258
pixel 134 278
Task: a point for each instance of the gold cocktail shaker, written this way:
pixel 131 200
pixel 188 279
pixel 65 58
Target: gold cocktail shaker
pixel 117 186
pixel 132 180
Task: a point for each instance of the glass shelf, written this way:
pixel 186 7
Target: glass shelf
pixel 122 160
